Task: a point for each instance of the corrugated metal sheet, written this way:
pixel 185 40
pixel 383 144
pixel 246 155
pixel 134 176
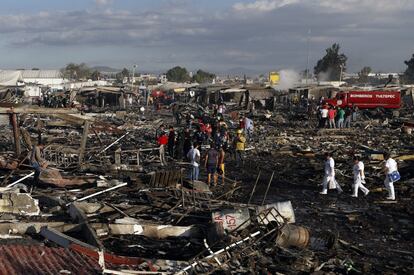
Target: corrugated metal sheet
pixel 36 259
pixel 41 74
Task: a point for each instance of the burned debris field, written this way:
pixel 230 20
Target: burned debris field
pixel 115 190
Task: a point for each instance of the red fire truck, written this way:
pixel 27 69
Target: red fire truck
pixel 388 99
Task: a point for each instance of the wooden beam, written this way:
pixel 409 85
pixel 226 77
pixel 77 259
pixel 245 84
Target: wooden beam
pixel 16 133
pixel 34 110
pixel 74 118
pixel 83 141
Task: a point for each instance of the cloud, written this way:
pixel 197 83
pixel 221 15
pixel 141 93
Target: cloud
pixel 262 35
pixel 342 6
pixel 377 6
pixel 263 5
pixel 103 2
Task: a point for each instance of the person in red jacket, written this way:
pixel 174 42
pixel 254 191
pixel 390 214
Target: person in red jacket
pixel 331 116
pixel 162 142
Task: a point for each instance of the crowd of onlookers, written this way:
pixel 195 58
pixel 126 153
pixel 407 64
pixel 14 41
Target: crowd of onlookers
pixel 205 138
pixel 332 117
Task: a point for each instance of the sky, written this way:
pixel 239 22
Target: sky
pixel 214 35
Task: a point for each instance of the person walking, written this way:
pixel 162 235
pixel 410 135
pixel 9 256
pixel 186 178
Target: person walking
pixel 160 131
pixel 194 156
pixel 221 166
pixel 162 142
pixel 341 117
pixel 329 175
pixel 359 177
pixel 187 142
pixel 171 142
pixel 211 163
pixel 355 111
pixel 248 128
pixel 37 162
pixel 391 175
pixel 239 144
pixel 347 118
pixel 323 116
pixel 331 115
pixel 179 148
pixel 175 108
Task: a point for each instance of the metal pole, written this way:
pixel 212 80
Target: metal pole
pixel 268 186
pixel 16 133
pixel 100 192
pixel 307 56
pixel 254 187
pixel 113 143
pixel 133 76
pixel 22 179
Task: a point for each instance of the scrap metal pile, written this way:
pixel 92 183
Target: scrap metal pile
pixel 106 200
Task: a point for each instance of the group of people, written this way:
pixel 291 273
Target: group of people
pixel 54 101
pixel 332 117
pixel 213 163
pixel 210 132
pixel 390 171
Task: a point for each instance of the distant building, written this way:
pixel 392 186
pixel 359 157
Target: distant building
pixel 384 75
pixel 162 78
pixel 43 77
pixel 147 77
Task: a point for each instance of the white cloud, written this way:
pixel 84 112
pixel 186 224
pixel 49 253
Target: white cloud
pixel 263 5
pixel 227 38
pixel 378 6
pixel 103 2
pixel 344 6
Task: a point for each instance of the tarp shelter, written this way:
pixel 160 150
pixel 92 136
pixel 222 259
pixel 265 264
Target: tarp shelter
pixel 106 96
pixel 173 86
pixel 10 78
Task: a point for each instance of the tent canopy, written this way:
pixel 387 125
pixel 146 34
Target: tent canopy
pixel 10 78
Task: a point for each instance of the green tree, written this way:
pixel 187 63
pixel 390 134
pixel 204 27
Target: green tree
pixel 178 74
pixel 364 74
pixel 122 74
pixel 330 66
pixel 76 71
pixel 203 77
pixel 409 72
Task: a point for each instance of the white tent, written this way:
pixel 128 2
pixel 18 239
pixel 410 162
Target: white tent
pixel 10 78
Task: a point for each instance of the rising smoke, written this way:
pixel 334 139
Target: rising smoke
pixel 288 79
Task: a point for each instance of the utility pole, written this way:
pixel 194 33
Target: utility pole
pixel 307 56
pixel 133 76
pixel 340 75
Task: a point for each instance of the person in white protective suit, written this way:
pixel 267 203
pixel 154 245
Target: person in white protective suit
pixel 390 167
pixel 359 178
pixel 329 176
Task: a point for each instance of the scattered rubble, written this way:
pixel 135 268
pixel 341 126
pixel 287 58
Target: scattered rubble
pixel 106 200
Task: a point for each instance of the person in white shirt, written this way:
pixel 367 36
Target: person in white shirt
pixel 323 117
pixel 194 156
pixel 389 167
pixel 329 176
pixel 248 128
pixel 221 109
pixel 359 177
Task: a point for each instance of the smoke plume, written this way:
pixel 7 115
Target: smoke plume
pixel 288 79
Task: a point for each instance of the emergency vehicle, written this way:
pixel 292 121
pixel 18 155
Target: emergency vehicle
pixel 388 99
